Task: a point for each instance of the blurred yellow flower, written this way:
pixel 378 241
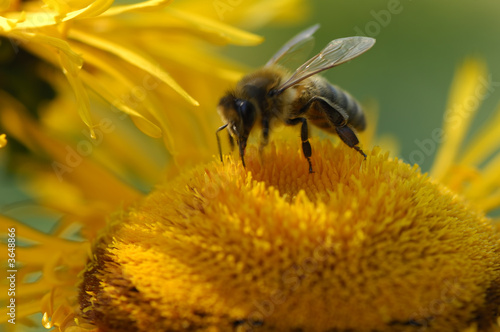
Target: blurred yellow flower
pixel 134 56
pixel 359 245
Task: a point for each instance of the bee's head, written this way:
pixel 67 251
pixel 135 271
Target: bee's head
pixel 239 116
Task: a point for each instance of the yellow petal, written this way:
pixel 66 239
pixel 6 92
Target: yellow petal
pixel 7 24
pixel 228 33
pixel 367 137
pixel 71 64
pixel 263 12
pixel 56 314
pixel 3 141
pixel 68 164
pixel 26 232
pixel 72 70
pixel 5 5
pixel 488 180
pixel 490 203
pixel 133 57
pixel 187 56
pixel 141 122
pixel 24 309
pixel 484 143
pixel 249 14
pixel 466 95
pixel 39 39
pixel 93 9
pixel 141 6
pixel 58 6
pixel 113 91
pixel 70 9
pixel 37 20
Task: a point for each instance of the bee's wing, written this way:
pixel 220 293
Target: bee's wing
pixel 335 53
pixel 298 45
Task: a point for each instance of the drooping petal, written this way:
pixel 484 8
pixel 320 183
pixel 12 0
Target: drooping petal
pixel 67 162
pixel 145 125
pixel 132 56
pixel 136 7
pixel 70 62
pixel 465 97
pixel 72 71
pixel 57 44
pixel 115 84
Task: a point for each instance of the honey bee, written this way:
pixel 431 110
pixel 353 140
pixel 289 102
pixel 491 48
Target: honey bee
pixel 272 93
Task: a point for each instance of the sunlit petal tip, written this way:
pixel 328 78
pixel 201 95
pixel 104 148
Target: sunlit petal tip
pixel 46 321
pixel 3 140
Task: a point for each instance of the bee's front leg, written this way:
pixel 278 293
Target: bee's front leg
pixel 304 136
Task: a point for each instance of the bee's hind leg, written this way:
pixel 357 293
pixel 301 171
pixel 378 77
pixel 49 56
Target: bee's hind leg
pixel 304 136
pixel 349 137
pixel 337 119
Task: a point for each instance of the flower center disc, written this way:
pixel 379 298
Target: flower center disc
pixel 359 245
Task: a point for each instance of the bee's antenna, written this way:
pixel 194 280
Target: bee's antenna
pixel 218 141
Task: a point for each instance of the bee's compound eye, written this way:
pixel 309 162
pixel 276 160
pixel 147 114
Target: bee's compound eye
pixel 242 106
pixel 246 110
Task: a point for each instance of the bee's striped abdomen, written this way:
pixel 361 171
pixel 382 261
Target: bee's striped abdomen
pixel 348 104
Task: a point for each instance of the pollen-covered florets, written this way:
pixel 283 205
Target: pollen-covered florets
pixel 359 245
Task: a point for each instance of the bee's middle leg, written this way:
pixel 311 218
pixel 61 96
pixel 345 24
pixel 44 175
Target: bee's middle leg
pixel 338 119
pixel 265 135
pixel 304 136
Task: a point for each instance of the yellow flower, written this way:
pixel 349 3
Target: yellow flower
pixel 359 245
